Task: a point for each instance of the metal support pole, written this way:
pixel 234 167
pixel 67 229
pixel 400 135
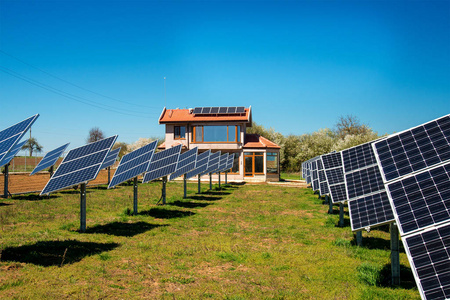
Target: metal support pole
pixel 219 180
pixel 185 183
pixel 210 181
pixel 135 196
pixel 330 208
pixel 83 207
pixel 164 181
pixel 341 214
pixel 199 187
pixel 226 181
pixel 109 175
pixel 395 258
pixel 51 171
pixel 359 238
pixel 5 176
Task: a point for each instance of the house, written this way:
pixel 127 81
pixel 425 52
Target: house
pixel 224 129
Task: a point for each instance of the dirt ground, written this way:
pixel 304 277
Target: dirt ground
pixel 20 183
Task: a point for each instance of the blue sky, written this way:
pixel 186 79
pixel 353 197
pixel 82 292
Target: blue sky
pixel 299 64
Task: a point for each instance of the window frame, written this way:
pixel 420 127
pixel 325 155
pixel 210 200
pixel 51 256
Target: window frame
pixel 237 136
pixel 175 137
pixel 276 154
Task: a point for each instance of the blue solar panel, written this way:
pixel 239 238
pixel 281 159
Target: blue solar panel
pixel 333 167
pixel 213 163
pixel 163 164
pixel 223 162
pixel 201 165
pixel 50 159
pixel 371 210
pixel 186 163
pixel 12 135
pixel 323 184
pixel 219 110
pixel 13 152
pixel 133 164
pixel 230 162
pixel 111 158
pixel 81 165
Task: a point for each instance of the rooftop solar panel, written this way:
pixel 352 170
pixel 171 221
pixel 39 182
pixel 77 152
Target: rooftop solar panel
pixel 231 110
pixel 213 163
pixel 10 136
pixel 201 165
pixel 163 164
pixel 13 152
pixel 111 158
pixel 50 159
pixel 240 109
pixel 81 165
pixel 219 110
pixel 186 163
pixel 133 164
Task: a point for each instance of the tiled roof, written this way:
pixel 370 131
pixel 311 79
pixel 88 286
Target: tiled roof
pixel 253 140
pixel 186 116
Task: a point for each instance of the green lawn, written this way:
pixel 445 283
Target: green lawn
pixel 244 242
pixel 290 176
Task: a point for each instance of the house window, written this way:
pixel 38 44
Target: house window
pixel 217 134
pixel 272 162
pixel 253 163
pixel 179 132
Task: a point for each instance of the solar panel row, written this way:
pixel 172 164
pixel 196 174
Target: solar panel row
pixel 201 165
pixel 163 164
pixel 219 110
pixel 186 163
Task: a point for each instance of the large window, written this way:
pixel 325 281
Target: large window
pixel 272 162
pixel 179 132
pixel 217 134
pixel 253 163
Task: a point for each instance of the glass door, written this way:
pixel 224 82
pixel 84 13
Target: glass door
pixel 248 165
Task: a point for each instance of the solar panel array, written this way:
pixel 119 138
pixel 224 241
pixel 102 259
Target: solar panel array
pixel 186 163
pixel 163 164
pixel 230 162
pixel 10 136
pixel 133 164
pixel 213 163
pixel 332 165
pixel 368 202
pixel 315 174
pixel 201 164
pixel 111 158
pixel 219 110
pixel 49 159
pixel 415 166
pixel 81 165
pixel 223 163
pixel 323 184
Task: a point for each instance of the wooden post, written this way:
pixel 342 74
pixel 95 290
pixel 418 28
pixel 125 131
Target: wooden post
pixel 135 196
pixel 395 257
pixel 83 207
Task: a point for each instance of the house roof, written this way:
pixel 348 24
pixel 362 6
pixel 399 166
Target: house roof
pixel 187 116
pixel 253 140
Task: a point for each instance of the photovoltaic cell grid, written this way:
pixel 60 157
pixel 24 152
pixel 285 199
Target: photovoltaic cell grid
pixel 163 163
pixel 111 158
pixel 315 175
pixel 50 159
pixel 222 163
pixel 415 167
pixel 80 165
pixel 213 163
pixel 323 184
pixel 219 110
pixel 133 164
pixel 332 164
pixel 186 163
pixel 201 165
pixel 369 211
pixel 12 135
pixel 230 162
pixel 7 159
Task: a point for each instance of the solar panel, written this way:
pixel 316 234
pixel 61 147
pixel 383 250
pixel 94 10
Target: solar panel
pixel 230 162
pixel 332 165
pixel 50 159
pixel 81 165
pixel 186 163
pixel 315 174
pixel 12 135
pixel 163 164
pixel 240 109
pixel 364 183
pixel 7 159
pixel 133 164
pixel 111 158
pixel 201 165
pixel 219 110
pixel 197 110
pixel 323 184
pixel 415 167
pixel 223 162
pixel 213 163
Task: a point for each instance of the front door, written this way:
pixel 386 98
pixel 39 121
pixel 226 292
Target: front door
pixel 253 163
pixel 248 165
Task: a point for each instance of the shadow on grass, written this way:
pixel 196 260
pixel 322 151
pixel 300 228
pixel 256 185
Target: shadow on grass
pixel 384 228
pixel 32 197
pixel 346 222
pixel 123 229
pixel 5 204
pixel 204 198
pixel 214 192
pixel 188 204
pixel 51 253
pixel 73 192
pixel 376 243
pixel 406 277
pixel 161 213
pixel 237 183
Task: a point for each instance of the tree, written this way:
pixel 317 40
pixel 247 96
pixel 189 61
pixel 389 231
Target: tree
pixel 123 148
pixel 350 125
pixel 32 145
pixel 95 134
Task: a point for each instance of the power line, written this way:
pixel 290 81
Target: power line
pixel 73 84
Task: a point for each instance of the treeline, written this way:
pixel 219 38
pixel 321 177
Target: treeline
pixel 295 149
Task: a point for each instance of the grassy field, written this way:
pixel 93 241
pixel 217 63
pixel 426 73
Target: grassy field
pixel 290 176
pixel 243 242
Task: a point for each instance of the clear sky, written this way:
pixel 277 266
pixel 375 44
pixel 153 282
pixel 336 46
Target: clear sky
pixel 299 64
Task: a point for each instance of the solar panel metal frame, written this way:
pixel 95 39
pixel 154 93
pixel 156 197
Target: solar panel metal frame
pixel 10 136
pixel 201 164
pixel 133 164
pixel 213 163
pixel 333 167
pixel 50 159
pixel 186 163
pixel 111 158
pixel 80 165
pixel 163 164
pixel 13 152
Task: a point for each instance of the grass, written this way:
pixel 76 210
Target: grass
pixel 290 176
pixel 241 242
